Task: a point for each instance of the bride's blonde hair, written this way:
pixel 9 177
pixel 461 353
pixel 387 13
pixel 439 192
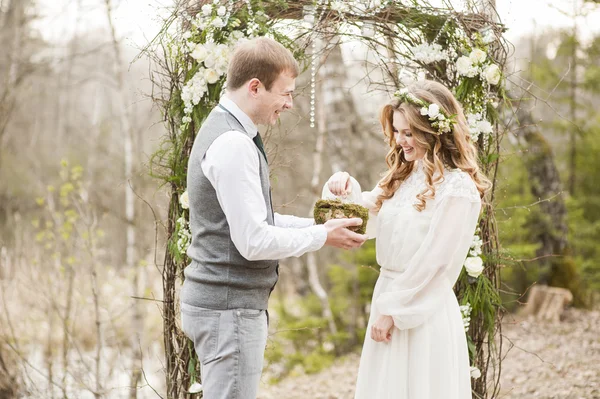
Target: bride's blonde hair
pixel 453 149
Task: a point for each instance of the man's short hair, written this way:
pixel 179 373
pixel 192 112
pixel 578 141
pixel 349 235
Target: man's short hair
pixel 261 58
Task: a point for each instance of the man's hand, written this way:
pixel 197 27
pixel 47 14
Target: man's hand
pixel 340 237
pixel 381 331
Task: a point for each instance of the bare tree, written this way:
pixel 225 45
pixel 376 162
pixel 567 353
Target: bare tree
pixel 125 125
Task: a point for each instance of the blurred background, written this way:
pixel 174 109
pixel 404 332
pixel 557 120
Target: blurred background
pixel 80 276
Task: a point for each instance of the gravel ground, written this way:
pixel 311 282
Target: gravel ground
pixel 547 361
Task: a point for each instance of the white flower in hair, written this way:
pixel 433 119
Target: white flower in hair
pixel 475 372
pixel 424 111
pixel 433 111
pixel 222 11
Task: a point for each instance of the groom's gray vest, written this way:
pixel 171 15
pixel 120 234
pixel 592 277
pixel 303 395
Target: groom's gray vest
pixel 219 277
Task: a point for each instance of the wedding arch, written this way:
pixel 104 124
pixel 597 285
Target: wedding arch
pixel 411 39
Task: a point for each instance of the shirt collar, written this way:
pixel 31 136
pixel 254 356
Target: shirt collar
pixel 241 116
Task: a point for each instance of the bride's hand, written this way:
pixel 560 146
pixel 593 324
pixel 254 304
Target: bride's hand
pixel 339 184
pixel 381 330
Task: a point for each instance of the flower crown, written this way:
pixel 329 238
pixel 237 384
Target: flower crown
pixel 440 121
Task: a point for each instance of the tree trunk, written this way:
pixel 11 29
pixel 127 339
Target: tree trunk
pixel 311 259
pixel 545 185
pixel 125 124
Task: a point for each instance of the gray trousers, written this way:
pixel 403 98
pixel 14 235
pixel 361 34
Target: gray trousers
pixel 230 345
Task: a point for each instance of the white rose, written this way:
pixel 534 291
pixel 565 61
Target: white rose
pixel 433 111
pixel 424 111
pixel 199 53
pixel 464 65
pixel 474 266
pixel 485 127
pixel 209 62
pixel 237 35
pixel 221 11
pixel 207 9
pixel 211 76
pixel 492 74
pixel 195 388
pixel 475 373
pixel 477 56
pixel 218 23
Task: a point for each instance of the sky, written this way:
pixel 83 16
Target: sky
pixel 137 22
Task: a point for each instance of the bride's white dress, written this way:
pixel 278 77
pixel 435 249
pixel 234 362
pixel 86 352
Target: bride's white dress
pixel 421 255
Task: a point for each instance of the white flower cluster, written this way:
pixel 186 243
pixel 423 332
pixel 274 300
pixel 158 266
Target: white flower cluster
pixel 478 64
pixel 437 118
pixel 474 264
pixel 211 16
pixel 339 6
pixel 478 125
pixel 214 60
pixel 465 312
pixel 184 236
pixel 475 246
pixel 429 53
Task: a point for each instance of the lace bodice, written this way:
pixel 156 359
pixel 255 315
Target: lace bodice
pixel 456 183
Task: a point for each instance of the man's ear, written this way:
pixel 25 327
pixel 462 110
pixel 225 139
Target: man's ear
pixel 253 86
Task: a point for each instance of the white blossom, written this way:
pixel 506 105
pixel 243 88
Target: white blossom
pixel 199 53
pixel 474 266
pixel 433 111
pixel 211 76
pixel 218 23
pixel 194 90
pixel 492 74
pixel 488 36
pixel 184 199
pixel 464 67
pixel 429 53
pixel 476 246
pixel 485 126
pixel 475 372
pixel 477 56
pixel 195 388
pixel 465 311
pixel 207 10
pixel 222 11
pixel 339 6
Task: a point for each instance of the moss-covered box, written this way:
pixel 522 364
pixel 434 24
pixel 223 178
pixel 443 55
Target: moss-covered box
pixel 335 209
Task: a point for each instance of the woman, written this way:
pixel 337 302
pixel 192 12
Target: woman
pixel 424 214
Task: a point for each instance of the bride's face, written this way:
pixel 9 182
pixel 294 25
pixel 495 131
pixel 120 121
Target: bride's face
pixel 404 138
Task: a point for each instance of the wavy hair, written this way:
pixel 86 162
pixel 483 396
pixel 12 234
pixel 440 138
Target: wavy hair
pixel 453 150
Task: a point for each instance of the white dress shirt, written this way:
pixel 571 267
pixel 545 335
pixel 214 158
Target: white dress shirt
pixel 231 164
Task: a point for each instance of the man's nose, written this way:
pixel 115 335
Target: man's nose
pixel 289 104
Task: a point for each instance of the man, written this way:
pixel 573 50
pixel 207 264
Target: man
pixel 237 239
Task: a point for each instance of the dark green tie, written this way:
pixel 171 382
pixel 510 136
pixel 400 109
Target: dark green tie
pixel 259 143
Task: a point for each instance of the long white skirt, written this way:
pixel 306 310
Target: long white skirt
pixel 430 361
